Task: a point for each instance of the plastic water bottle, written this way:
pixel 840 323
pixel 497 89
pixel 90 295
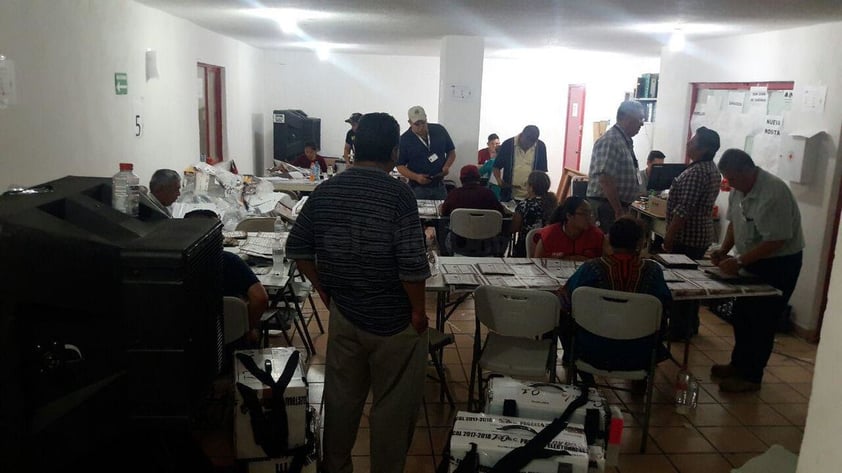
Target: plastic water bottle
pixel 125 194
pixel 686 392
pixel 316 171
pixel 280 226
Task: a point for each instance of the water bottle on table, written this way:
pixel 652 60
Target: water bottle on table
pixel 315 171
pixel 278 256
pixel 125 190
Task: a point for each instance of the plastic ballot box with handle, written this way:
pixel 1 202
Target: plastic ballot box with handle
pixel 270 403
pixel 545 401
pixel 489 438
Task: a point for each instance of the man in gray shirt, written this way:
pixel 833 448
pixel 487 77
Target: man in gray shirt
pixel 764 225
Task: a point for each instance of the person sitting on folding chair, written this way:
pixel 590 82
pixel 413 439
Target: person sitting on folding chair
pixel 571 233
pixel 623 270
pixel 533 212
pixel 470 196
pixel 238 280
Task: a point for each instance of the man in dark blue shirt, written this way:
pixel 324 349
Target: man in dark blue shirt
pixel 426 154
pixel 358 240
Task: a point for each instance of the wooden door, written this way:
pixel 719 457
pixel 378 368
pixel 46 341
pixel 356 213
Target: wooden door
pixel 575 121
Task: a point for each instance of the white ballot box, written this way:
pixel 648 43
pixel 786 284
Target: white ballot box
pixel 546 401
pixel 495 436
pixel 295 401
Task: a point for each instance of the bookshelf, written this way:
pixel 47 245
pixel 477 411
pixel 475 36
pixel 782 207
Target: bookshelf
pixel 646 92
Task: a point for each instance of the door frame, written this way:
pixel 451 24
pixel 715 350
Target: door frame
pixel 567 126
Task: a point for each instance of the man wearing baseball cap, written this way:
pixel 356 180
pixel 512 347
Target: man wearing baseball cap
pixel 425 156
pixel 353 120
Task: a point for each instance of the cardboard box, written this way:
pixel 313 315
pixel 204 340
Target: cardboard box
pixel 543 401
pixel 295 399
pixel 495 436
pixel 657 207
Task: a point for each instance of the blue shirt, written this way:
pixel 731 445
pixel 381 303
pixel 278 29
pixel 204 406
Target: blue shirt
pixel 414 153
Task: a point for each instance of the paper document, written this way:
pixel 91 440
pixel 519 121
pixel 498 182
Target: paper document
pixel 674 260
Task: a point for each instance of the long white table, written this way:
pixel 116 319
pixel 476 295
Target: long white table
pixel 685 285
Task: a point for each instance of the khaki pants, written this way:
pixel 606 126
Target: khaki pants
pixel 393 368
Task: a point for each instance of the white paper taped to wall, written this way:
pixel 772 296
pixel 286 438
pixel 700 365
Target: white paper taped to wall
pixel 7 82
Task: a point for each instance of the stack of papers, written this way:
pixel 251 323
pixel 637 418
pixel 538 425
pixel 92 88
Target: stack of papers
pixel 503 274
pixel 675 261
pixel 262 243
pixel 428 208
pixel 463 280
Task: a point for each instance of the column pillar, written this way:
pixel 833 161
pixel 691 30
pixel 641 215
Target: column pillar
pixel 460 92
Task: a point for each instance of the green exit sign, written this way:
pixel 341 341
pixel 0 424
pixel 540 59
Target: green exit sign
pixel 121 83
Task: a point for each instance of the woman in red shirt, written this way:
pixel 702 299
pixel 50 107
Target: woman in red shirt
pixel 571 233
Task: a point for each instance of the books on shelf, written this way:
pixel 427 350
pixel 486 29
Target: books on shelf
pixel 647 86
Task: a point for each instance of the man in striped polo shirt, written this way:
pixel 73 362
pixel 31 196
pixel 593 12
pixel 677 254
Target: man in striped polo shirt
pixel 359 241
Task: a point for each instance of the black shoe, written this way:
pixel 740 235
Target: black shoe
pixel 723 371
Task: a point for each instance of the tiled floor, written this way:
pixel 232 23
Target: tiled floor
pixel 723 432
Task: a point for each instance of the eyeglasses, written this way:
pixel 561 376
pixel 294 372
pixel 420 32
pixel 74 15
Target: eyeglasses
pixel 419 123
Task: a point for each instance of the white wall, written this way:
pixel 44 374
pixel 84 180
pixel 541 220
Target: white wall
pixel 820 446
pixel 346 83
pixel 799 55
pixel 68 120
pixel 515 93
pixel 461 63
pixel 524 91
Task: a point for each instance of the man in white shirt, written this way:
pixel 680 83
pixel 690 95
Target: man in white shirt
pixel 164 189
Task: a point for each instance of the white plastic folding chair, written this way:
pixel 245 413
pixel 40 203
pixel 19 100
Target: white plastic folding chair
pixel 531 243
pixel 517 320
pixel 614 320
pixel 479 228
pixel 235 319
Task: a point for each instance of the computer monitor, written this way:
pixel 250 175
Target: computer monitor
pixel 662 175
pixel 291 130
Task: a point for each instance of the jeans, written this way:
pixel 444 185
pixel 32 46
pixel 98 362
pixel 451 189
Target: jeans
pixel 756 318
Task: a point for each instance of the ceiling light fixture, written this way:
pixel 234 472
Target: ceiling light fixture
pixel 677 41
pixel 323 52
pixel 290 18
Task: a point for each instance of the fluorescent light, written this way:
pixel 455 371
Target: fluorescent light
pixel 323 52
pixel 290 18
pixel 677 41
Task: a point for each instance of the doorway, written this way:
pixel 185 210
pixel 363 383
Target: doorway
pixel 574 124
pixel 210 112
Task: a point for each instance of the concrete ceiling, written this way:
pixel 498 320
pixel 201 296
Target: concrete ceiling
pixel 415 27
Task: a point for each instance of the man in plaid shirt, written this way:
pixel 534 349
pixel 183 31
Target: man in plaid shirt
pixel 613 175
pixel 689 220
pixel 691 198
